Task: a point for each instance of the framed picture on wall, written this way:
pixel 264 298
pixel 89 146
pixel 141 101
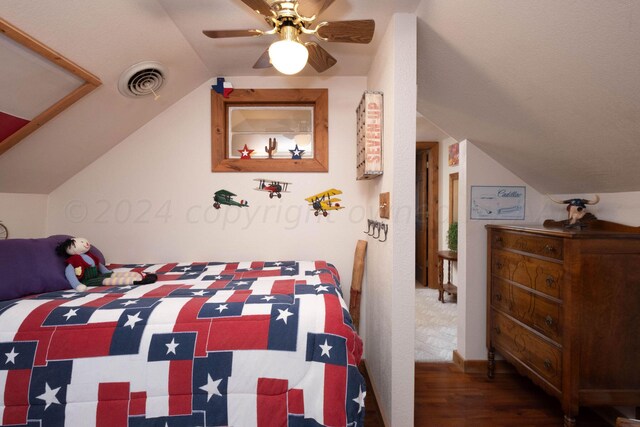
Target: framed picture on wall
pixel 454 154
pixel 498 202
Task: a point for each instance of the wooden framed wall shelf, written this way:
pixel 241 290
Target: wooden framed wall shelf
pixel 36 82
pixel 296 118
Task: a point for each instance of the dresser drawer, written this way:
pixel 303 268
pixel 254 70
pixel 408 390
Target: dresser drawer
pixel 511 339
pixel 536 245
pixel 543 276
pixel 538 312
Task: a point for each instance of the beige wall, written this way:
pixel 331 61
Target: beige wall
pixel 24 214
pixel 149 199
pixel 389 289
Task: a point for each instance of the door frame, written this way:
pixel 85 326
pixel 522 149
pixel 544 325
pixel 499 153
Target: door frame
pixel 432 148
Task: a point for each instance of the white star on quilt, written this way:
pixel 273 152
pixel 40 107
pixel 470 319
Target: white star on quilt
pixel 49 395
pixel 242 283
pixel 171 347
pixel 289 268
pixel 211 387
pixel 71 313
pixel 277 263
pixel 132 320
pixel 284 315
pixel 321 288
pixel 217 277
pixel 130 302
pixel 68 295
pixel 11 356
pixel 268 298
pixel 360 399
pixel 222 307
pixel 199 293
pixel 325 349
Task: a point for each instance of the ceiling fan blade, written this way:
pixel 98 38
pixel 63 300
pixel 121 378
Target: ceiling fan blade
pixel 264 61
pixel 218 34
pixel 319 58
pixel 259 6
pixel 360 31
pixel 313 7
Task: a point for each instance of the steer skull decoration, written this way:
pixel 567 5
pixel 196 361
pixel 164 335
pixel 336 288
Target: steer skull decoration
pixel 576 210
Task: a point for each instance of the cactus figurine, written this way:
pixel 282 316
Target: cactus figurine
pixel 271 148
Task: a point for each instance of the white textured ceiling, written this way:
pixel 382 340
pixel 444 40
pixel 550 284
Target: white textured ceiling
pixel 549 88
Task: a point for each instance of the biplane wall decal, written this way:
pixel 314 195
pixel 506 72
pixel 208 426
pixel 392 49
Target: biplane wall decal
pixel 274 188
pixel 324 202
pixel 224 197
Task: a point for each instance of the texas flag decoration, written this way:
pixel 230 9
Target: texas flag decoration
pixel 222 87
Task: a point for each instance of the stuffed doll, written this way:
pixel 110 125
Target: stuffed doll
pixel 85 269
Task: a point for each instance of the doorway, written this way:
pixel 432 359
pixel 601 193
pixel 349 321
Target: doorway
pixel 427 159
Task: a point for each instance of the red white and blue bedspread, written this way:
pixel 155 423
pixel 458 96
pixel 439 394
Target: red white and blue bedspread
pixel 208 344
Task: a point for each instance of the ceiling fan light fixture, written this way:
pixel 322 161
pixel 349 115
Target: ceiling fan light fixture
pixel 288 55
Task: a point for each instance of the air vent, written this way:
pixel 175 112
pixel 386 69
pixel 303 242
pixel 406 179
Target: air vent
pixel 142 79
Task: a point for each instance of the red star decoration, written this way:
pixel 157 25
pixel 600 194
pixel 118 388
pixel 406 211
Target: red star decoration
pixel 245 153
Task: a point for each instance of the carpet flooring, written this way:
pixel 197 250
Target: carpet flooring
pixel 435 326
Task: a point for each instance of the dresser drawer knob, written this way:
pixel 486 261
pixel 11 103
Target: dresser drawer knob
pixel 498 296
pixel 499 265
pixel 549 249
pixel 547 364
pixel 550 281
pixel 499 240
pixel 548 320
pixel 497 329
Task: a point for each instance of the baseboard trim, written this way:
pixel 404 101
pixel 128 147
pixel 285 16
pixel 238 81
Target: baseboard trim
pixel 480 366
pixel 372 392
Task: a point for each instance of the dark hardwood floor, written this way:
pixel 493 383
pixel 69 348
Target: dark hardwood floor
pixel 446 397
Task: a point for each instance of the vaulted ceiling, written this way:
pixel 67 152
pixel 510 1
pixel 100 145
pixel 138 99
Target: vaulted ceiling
pixel 548 88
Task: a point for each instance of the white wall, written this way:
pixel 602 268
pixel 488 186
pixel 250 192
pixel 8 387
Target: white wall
pixel 149 199
pixel 388 294
pixel 24 214
pixel 477 168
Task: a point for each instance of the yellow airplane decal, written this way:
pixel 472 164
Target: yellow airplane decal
pixel 323 202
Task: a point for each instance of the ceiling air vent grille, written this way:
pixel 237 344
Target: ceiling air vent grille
pixel 145 78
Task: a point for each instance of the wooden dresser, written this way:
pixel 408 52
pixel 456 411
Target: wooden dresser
pixel 563 306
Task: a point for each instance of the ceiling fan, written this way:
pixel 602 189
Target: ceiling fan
pixel 290 19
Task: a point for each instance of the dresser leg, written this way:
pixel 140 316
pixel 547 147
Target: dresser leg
pixel 491 366
pixel 569 421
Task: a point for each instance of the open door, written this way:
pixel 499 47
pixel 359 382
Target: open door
pixel 427 213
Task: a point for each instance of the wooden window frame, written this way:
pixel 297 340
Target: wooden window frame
pixel 318 98
pixel 91 82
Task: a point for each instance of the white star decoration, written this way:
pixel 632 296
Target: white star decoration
pixel 284 315
pixel 49 395
pixel 268 298
pixel 171 347
pixel 11 356
pixel 321 288
pixel 211 387
pixel 289 268
pixel 130 302
pixel 277 263
pixel 133 320
pixel 222 307
pixel 242 283
pixel 217 277
pixel 68 295
pixel 326 348
pixel 200 293
pixel 360 399
pixel 71 313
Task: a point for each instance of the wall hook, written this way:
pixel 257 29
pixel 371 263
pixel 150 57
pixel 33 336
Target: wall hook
pixel 384 227
pixel 369 224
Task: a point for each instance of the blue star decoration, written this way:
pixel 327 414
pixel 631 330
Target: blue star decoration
pixel 296 153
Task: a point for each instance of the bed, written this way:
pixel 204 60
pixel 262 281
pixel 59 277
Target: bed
pixel 209 344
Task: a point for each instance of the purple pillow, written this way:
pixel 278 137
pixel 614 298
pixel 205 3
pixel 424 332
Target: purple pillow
pixel 31 266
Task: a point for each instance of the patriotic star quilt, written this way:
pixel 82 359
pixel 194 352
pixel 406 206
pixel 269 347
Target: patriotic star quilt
pixel 208 344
